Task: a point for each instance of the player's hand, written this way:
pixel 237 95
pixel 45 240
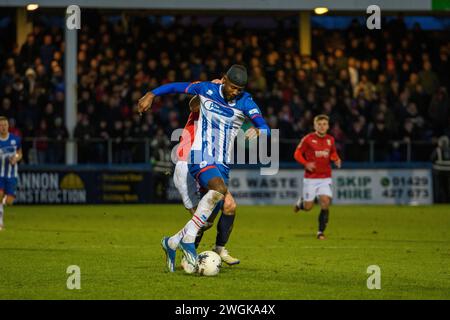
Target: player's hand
pixel 310 166
pixel 252 133
pixel 338 163
pixel 145 102
pixel 13 160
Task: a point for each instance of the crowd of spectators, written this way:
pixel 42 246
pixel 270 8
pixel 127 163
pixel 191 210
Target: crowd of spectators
pixel 382 85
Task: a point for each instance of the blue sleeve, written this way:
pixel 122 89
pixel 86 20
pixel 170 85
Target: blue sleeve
pixel 254 114
pixel 178 87
pixel 19 143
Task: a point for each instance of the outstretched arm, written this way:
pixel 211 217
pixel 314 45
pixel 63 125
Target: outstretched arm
pixel 146 101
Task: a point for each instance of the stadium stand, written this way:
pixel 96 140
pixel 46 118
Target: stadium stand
pixel 389 86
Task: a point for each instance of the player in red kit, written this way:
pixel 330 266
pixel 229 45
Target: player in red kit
pixel 315 152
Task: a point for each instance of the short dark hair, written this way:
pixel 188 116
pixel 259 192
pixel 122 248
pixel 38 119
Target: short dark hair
pixel 237 74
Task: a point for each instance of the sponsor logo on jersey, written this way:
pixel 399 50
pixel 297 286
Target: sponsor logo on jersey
pixel 322 154
pixel 218 109
pixel 314 141
pixel 329 142
pixel 209 104
pixel 209 92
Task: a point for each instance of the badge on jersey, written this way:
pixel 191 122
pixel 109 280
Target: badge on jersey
pixel 253 111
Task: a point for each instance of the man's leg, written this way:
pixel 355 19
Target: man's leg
pixel 8 186
pixel 304 205
pixel 174 241
pixel 9 200
pixel 190 230
pixel 208 224
pixel 217 190
pixel 209 177
pixel 189 191
pixel 4 186
pixel 325 194
pixel 306 202
pixel 323 216
pixel 224 228
pixel 2 200
pixel 187 188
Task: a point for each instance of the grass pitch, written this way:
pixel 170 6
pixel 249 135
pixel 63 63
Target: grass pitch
pixel 118 251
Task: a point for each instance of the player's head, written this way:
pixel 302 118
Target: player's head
pixel 4 126
pixel 321 124
pixel 234 81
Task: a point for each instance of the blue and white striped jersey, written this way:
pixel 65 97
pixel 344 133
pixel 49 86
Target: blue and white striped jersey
pixel 8 148
pixel 219 122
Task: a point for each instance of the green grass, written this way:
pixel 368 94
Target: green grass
pixel 118 251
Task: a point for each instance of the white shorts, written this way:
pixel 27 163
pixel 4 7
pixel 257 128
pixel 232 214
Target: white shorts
pixel 313 188
pixel 186 185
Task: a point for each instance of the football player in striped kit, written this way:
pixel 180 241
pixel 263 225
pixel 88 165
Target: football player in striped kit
pixel 190 193
pixel 223 109
pixel 10 155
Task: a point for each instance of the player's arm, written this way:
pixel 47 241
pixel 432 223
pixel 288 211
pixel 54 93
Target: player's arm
pixel 298 156
pixel 16 157
pixel 146 101
pixel 334 156
pixel 259 124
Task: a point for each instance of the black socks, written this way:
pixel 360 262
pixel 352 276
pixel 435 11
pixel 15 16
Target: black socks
pixel 323 220
pixel 224 228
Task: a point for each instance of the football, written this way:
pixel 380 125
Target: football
pixel 208 263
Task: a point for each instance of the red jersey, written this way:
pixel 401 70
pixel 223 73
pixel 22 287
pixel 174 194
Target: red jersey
pixel 321 151
pixel 187 137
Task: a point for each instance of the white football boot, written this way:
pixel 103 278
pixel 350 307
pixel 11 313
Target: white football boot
pixel 225 256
